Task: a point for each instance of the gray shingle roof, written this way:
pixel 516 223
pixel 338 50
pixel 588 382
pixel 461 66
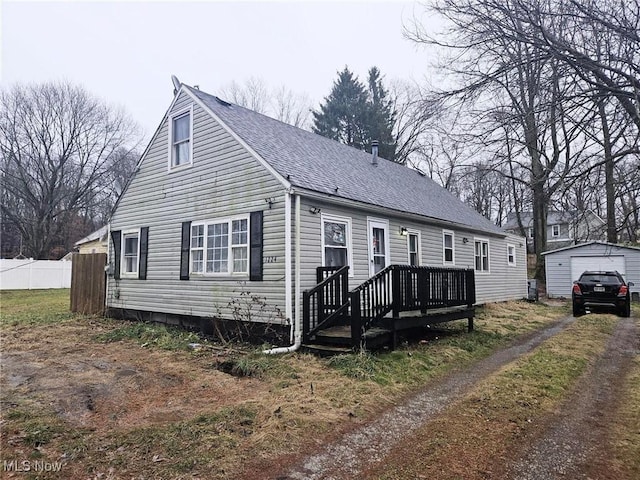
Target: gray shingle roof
pixel 319 164
pixel 99 234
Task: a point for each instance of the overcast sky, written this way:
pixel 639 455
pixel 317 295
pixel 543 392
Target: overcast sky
pixel 125 52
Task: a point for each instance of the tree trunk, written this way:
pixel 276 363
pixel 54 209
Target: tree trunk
pixel 610 193
pixel 539 227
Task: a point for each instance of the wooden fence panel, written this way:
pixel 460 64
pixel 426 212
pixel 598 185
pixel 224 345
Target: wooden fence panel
pixel 88 282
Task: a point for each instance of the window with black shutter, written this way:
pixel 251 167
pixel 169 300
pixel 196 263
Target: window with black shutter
pixel 255 246
pixel 184 250
pixel 116 239
pixel 144 252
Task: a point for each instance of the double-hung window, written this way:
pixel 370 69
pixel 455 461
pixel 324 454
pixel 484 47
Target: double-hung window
pixel 220 247
pixel 511 255
pixel 130 253
pixel 448 248
pixel 180 139
pixel 481 255
pixel 197 248
pixel 413 244
pixel 555 231
pixel 336 241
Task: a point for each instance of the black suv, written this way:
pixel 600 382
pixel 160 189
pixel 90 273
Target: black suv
pixel 601 290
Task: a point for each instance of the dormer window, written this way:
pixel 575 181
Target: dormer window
pixel 180 139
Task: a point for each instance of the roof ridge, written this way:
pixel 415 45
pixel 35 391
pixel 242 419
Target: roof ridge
pixel 288 125
pixel 312 162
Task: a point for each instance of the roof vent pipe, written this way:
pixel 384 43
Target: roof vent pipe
pixel 374 153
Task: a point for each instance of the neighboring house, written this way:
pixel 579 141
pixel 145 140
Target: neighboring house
pixel 565 265
pixel 96 242
pixel 563 228
pixel 228 206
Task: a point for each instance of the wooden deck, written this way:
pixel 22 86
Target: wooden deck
pixel 371 316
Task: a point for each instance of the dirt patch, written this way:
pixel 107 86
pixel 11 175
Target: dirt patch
pixel 112 386
pixel 572 443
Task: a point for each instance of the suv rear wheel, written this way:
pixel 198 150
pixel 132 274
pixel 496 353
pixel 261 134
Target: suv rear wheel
pixel 626 310
pixel 577 311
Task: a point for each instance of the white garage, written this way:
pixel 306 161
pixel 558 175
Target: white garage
pixel 565 265
pixel 609 263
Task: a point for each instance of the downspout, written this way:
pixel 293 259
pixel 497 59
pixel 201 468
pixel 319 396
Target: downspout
pixel 107 267
pixel 296 331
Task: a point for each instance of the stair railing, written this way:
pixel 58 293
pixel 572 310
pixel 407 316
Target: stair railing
pixel 401 288
pixel 327 302
pixel 370 302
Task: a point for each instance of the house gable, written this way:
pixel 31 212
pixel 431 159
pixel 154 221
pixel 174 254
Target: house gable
pixel 224 180
pixel 217 160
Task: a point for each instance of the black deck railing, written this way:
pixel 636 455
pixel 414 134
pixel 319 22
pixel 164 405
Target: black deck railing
pixel 396 289
pixel 401 288
pixel 327 302
pixel 421 288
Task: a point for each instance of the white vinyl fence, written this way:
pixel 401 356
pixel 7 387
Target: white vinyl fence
pixel 32 274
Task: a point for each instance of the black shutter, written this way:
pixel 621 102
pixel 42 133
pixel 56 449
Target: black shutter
pixel 144 250
pixel 116 238
pixel 255 247
pixel 184 250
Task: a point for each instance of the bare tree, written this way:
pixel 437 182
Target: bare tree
pixel 253 94
pixel 628 195
pixel 614 70
pixel 280 103
pixel 57 145
pixel 291 108
pixel 528 104
pixel 416 118
pixel 120 168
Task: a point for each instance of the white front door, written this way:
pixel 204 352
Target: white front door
pixel 378 245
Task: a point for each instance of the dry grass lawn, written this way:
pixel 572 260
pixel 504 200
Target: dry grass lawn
pixel 118 400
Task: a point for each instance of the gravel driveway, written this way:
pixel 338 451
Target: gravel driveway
pixel 571 445
pixel 356 450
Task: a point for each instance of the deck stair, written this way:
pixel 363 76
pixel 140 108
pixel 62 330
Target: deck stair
pixel 336 340
pixel 399 297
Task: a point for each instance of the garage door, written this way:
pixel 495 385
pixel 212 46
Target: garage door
pixel 603 264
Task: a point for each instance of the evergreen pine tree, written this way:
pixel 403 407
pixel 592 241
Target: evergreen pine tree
pixel 341 116
pixel 355 115
pixel 381 116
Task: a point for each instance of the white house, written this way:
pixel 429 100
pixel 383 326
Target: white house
pixel 226 201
